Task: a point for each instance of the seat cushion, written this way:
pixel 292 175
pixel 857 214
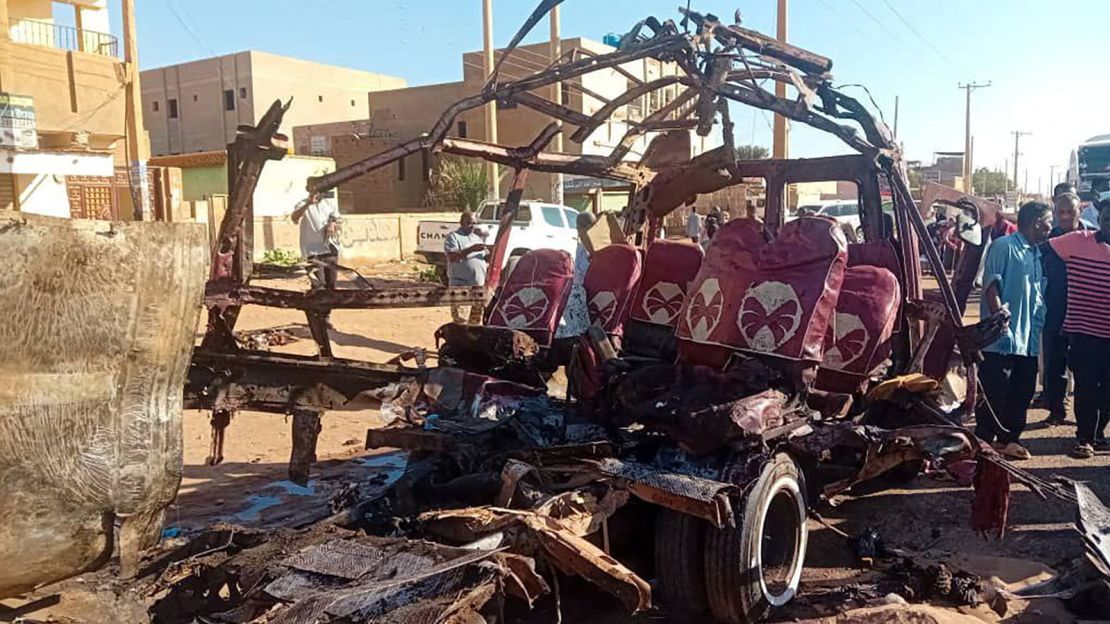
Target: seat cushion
pixel 669 268
pixel 858 339
pixel 610 284
pixel 535 294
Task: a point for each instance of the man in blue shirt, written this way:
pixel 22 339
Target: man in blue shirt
pixel 466 252
pixel 1013 276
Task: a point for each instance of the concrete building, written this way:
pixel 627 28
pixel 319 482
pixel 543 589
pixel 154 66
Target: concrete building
pixel 402 114
pixel 281 186
pixel 196 106
pixel 61 108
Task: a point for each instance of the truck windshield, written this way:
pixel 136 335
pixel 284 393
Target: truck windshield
pixel 492 212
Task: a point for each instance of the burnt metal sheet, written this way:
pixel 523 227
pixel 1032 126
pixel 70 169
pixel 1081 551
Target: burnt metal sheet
pixel 695 496
pixel 1093 523
pixel 342 558
pixel 96 328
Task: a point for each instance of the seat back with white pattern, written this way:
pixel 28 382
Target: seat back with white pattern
pixel 706 335
pixel 534 296
pixel 773 299
pixel 669 268
pixel 858 339
pixel 867 314
pixel 610 283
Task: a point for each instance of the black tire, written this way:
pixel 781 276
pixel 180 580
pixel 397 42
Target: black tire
pixel 771 534
pixel 679 548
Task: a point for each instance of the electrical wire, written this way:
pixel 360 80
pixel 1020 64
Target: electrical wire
pixel 917 34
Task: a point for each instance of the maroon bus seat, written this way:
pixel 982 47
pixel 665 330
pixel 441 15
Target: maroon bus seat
pixel 859 338
pixel 725 274
pixel 669 269
pixel 610 284
pixel 774 299
pixel 534 296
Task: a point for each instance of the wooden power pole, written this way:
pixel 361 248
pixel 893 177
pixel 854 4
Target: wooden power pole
pixel 491 108
pixel 781 148
pixel 557 97
pixel 1017 138
pixel 138 150
pixel 968 172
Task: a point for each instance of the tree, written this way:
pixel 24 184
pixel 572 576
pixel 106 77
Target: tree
pixel 458 182
pixel 985 182
pixel 752 152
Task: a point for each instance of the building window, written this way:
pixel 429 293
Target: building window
pixel 352 103
pixel 564 89
pixel 320 98
pixel 229 100
pixel 462 129
pixel 194 97
pixel 242 93
pixel 154 106
pixel 401 169
pixel 172 104
pixel 425 165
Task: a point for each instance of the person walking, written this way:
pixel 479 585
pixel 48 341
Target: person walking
pixel 1054 344
pixel 1086 254
pixel 1013 277
pixel 467 255
pixel 693 225
pixel 319 221
pixel 713 222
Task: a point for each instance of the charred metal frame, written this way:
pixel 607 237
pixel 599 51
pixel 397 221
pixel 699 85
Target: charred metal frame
pixel 715 63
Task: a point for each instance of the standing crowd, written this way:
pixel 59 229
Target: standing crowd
pixel 1053 275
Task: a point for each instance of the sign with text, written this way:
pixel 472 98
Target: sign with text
pixel 17 122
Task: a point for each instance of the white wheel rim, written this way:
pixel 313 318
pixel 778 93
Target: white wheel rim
pixel 789 485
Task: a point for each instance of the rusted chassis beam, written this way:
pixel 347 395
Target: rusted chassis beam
pixel 283 383
pixel 320 300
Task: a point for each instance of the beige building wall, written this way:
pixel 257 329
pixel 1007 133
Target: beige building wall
pixel 78 100
pixel 400 115
pixel 212 96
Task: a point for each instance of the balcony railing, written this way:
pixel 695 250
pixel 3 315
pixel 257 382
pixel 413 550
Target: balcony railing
pixel 47 34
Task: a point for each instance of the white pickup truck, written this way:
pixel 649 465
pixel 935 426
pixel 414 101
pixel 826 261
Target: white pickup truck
pixel 537 225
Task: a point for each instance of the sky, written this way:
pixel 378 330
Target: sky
pixel 1046 70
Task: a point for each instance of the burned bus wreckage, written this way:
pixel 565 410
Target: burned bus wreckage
pixel 722 395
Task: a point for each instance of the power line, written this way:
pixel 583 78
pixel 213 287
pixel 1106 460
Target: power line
pixel 871 15
pixel 189 31
pixel 917 34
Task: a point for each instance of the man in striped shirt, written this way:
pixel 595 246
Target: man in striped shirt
pixel 1054 344
pixel 1087 256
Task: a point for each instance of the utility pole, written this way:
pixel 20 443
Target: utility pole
pixel 557 97
pixel 781 147
pixel 968 88
pixel 1017 138
pixel 138 150
pixel 491 108
pixel 1052 177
